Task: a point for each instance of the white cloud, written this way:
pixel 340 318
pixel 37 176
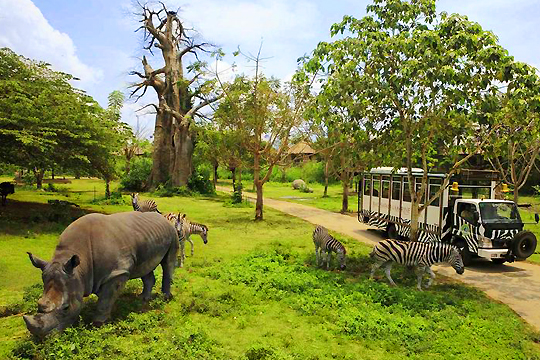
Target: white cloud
pixel 24 29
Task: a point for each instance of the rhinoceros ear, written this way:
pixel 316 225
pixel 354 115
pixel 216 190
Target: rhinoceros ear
pixel 37 262
pixel 71 264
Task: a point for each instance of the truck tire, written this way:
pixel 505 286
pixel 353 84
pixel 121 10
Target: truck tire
pixel 391 231
pixel 524 244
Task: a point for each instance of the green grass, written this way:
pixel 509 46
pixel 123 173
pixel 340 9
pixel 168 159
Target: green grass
pixel 253 292
pixel 285 192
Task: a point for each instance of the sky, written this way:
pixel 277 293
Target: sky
pixel 95 40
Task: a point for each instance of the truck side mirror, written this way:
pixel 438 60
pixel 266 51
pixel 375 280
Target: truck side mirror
pixel 536 218
pixel 476 216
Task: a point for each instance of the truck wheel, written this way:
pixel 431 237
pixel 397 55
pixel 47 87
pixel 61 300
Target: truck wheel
pixel 466 255
pixel 391 231
pixel 524 244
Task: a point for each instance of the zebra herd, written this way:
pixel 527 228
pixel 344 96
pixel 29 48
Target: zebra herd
pixel 421 255
pixel 183 226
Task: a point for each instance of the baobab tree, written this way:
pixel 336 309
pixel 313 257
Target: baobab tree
pixel 182 91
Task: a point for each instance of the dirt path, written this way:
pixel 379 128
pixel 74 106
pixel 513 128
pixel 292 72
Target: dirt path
pixel 516 284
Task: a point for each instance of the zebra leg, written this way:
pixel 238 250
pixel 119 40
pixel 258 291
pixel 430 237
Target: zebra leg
pixel 328 258
pixel 374 268
pixel 387 269
pixel 431 276
pixel 191 242
pixel 316 255
pixel 322 257
pixel 182 252
pixel 419 275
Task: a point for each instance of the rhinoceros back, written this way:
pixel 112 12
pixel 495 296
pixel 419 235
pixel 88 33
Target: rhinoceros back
pixel 130 243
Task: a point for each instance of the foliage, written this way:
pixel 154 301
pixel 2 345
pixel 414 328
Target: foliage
pixel 411 79
pixel 116 198
pixel 514 147
pixel 139 173
pixel 200 183
pixel 46 123
pixel 236 197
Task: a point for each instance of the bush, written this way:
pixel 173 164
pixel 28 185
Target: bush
pixel 237 194
pixel 28 178
pixel 139 173
pixel 200 183
pixel 167 190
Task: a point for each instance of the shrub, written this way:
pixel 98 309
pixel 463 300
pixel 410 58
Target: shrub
pixel 167 190
pixel 139 173
pixel 28 178
pixel 237 194
pixel 200 183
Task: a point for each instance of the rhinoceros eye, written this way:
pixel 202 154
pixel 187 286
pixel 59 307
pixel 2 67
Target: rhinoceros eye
pixel 65 306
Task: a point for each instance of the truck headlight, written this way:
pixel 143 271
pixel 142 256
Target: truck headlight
pixel 485 242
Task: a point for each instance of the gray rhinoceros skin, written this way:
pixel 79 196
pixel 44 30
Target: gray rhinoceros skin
pixel 97 254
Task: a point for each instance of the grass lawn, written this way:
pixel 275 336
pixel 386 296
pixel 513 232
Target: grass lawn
pixel 285 192
pixel 253 292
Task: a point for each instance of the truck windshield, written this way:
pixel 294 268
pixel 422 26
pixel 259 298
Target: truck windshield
pixel 503 212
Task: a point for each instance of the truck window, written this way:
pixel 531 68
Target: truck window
pixel 367 186
pixel 386 189
pixel 376 186
pixel 406 192
pixel 396 190
pixel 466 211
pixel 433 189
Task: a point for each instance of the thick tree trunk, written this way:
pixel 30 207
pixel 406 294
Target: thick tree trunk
pixel 161 155
pixel 39 178
pixel 107 188
pixel 516 194
pixel 414 221
pixel 345 197
pixel 257 183
pixel 326 179
pixel 233 172
pixel 259 202
pixel 216 164
pixel 183 167
pixel 52 173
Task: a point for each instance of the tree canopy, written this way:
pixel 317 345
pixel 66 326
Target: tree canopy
pixel 46 123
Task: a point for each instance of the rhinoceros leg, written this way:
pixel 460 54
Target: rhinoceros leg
pixel 168 265
pixel 148 283
pixel 107 296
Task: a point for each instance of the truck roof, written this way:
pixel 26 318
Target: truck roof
pixel 478 201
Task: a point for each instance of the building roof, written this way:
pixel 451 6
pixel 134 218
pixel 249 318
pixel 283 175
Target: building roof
pixel 301 147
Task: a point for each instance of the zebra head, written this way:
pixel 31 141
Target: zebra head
pixel 179 225
pixel 134 198
pixel 455 260
pixel 204 233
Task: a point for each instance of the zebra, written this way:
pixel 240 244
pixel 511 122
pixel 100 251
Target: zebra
pixel 185 228
pixel 325 244
pixel 145 205
pixel 412 253
pixel 178 222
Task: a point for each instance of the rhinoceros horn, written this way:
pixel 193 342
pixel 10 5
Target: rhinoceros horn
pixel 41 324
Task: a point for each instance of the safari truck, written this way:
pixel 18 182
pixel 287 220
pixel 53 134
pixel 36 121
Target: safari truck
pixel 466 214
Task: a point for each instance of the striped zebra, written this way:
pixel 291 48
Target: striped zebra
pixel 185 229
pixel 419 254
pixel 325 244
pixel 177 220
pixel 143 206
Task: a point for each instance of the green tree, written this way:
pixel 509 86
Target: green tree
pixel 414 76
pixel 45 122
pixel 514 147
pixel 262 114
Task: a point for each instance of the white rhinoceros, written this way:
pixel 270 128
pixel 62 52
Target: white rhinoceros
pixel 97 254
